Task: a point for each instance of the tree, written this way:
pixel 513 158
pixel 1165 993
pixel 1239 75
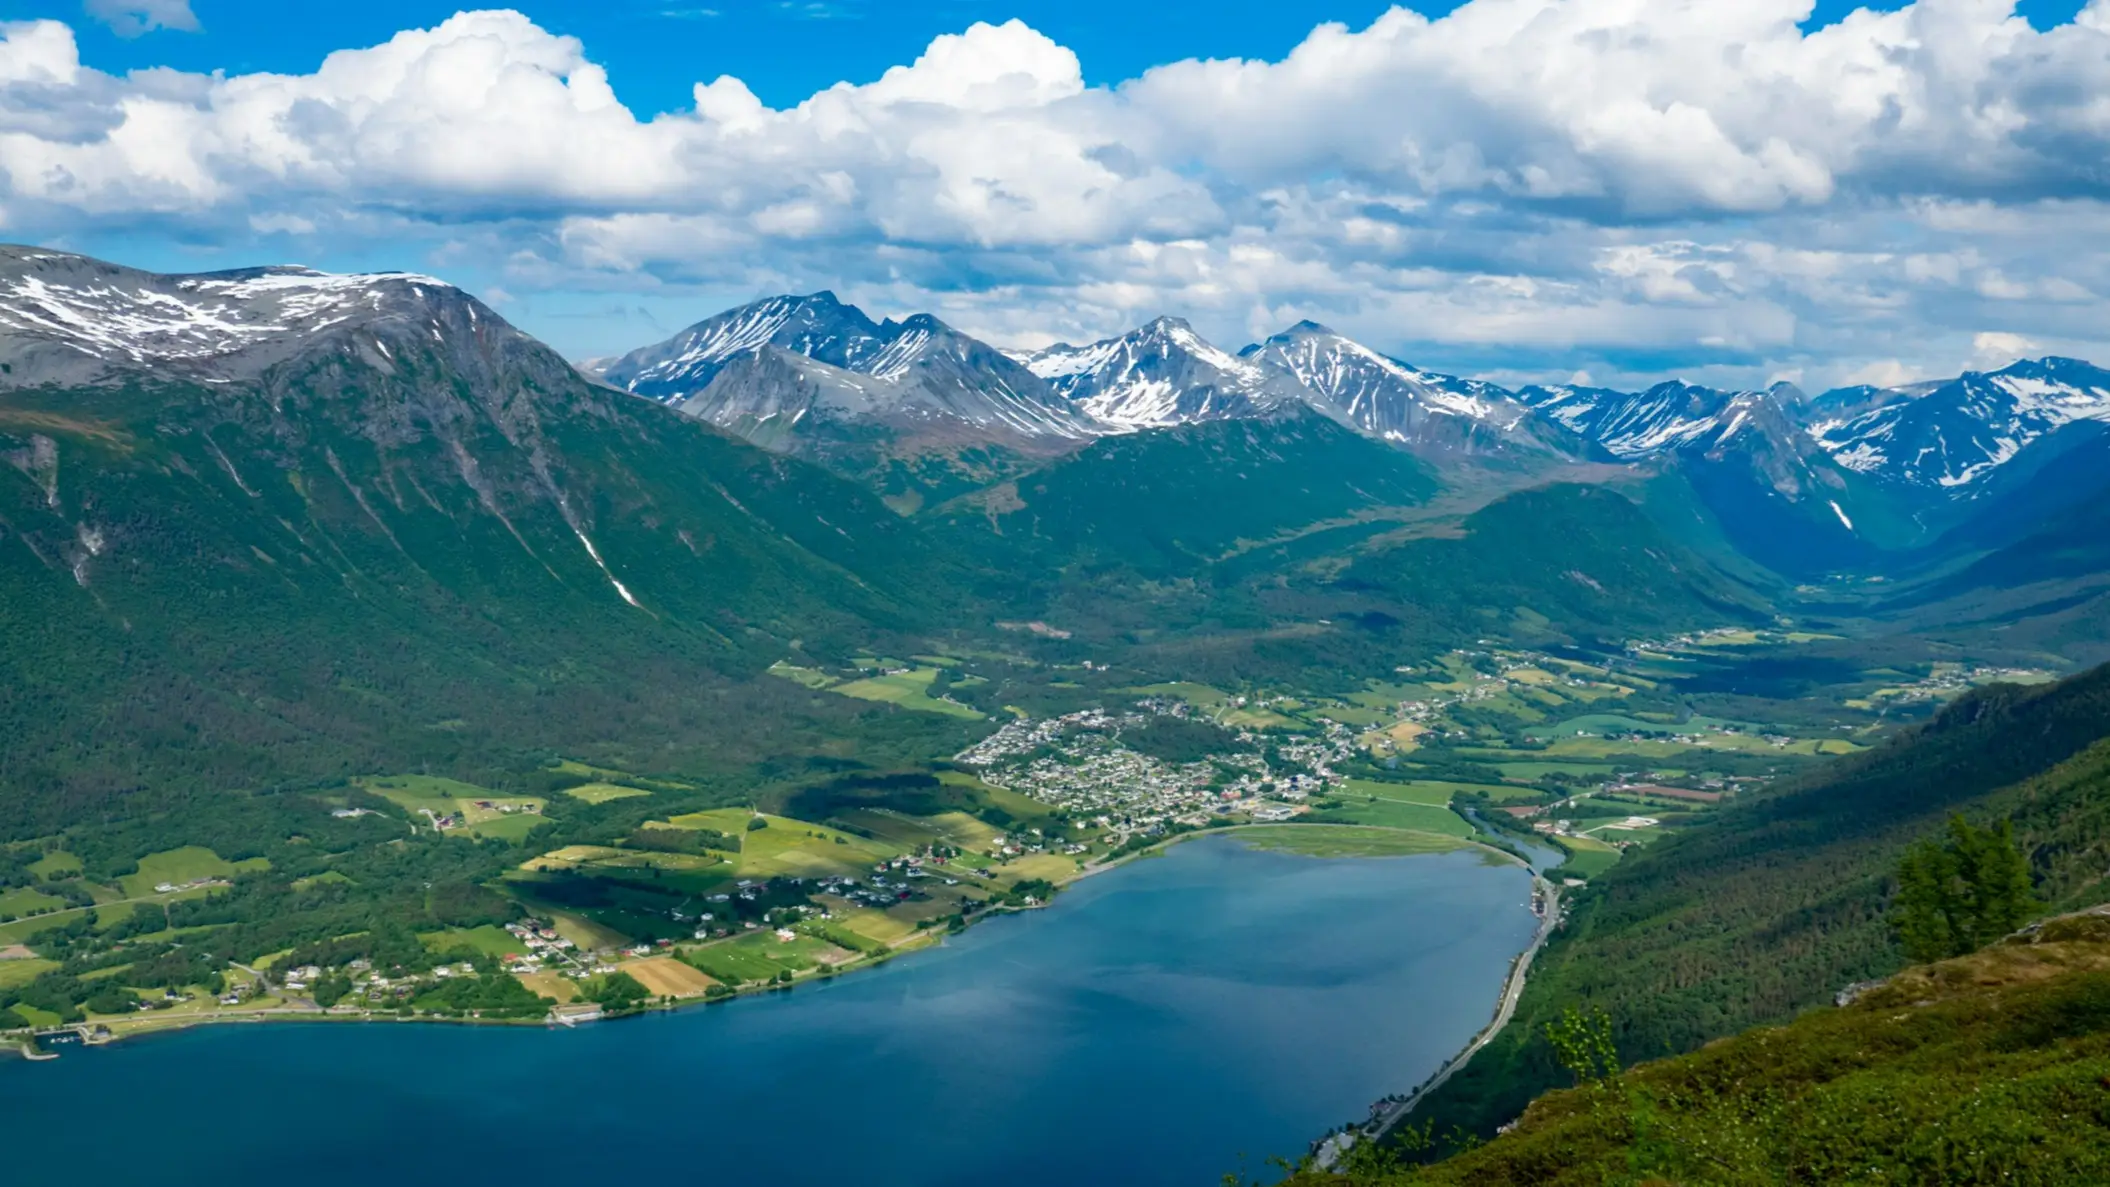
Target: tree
pixel 1959 893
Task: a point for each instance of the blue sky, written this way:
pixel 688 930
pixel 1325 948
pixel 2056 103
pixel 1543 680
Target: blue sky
pixel 784 49
pixel 1626 189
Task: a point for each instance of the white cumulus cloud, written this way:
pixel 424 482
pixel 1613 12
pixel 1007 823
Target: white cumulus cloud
pixel 1520 187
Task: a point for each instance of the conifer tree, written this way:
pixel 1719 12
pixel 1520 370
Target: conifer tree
pixel 1958 894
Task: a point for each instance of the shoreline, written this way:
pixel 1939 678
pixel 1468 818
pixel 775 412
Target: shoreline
pixel 1328 1150
pixel 116 1029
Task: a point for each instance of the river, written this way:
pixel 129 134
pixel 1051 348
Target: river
pixel 1163 1023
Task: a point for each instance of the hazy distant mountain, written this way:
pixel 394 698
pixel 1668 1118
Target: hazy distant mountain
pixel 1431 414
pixel 1160 375
pixel 816 326
pixel 1778 496
pixel 915 407
pixel 1954 435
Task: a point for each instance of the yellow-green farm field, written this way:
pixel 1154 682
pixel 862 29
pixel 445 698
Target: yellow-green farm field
pixel 797 848
pixel 601 793
pixel 909 689
pixel 56 864
pixel 177 866
pixel 1344 840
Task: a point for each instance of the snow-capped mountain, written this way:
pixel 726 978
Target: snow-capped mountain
pixel 1162 374
pixel 1392 401
pixel 1775 492
pixel 810 364
pixel 70 319
pixel 1954 435
pixel 817 326
pixel 1667 418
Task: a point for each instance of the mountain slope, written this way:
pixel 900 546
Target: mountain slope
pixel 1778 497
pixel 1161 375
pixel 395 531
pixel 1778 900
pixel 913 407
pixel 816 326
pixel 1552 564
pixel 1439 416
pixel 1973 1069
pixel 1177 499
pixel 1954 435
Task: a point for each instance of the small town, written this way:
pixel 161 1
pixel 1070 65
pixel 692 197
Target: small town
pixel 1078 762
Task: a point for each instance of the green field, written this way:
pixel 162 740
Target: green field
pixel 22 930
pixel 179 866
pixel 419 794
pixel 1435 793
pixel 490 939
pixel 1330 840
pixel 732 822
pixel 601 793
pixel 1587 857
pixel 758 956
pixel 429 792
pixel 797 848
pixel 1385 813
pixel 56 864
pixel 810 677
pixel 910 690
pixel 22 972
pixel 876 926
pixel 26 900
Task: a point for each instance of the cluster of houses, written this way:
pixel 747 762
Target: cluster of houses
pixel 1078 761
pixel 547 949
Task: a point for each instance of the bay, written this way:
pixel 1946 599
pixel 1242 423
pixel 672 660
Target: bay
pixel 1166 1022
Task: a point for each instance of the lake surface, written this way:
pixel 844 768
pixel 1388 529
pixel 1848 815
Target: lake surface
pixel 1152 1026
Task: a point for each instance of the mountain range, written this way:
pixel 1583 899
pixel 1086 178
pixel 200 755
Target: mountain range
pixel 1807 484
pixel 265 533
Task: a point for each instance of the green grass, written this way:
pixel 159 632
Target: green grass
pixel 1436 793
pixel 1330 840
pixel 490 939
pixel 1587 857
pixel 601 793
pixel 56 864
pixel 910 690
pixel 23 930
pixel 414 792
pixel 801 849
pixel 758 956
pixel 15 973
pixel 25 900
pixel 1398 814
pixel 36 1017
pixel 182 865
pixel 810 677
pixel 514 828
pixel 730 821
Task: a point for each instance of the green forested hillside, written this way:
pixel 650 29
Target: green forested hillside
pixel 1779 900
pixel 1561 561
pixel 356 564
pixel 1173 500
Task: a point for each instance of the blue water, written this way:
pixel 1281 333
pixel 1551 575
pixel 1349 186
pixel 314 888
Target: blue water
pixel 1155 1025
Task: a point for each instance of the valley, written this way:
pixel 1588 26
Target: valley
pixel 367 661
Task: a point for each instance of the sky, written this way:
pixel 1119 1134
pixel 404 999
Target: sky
pixel 1618 191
